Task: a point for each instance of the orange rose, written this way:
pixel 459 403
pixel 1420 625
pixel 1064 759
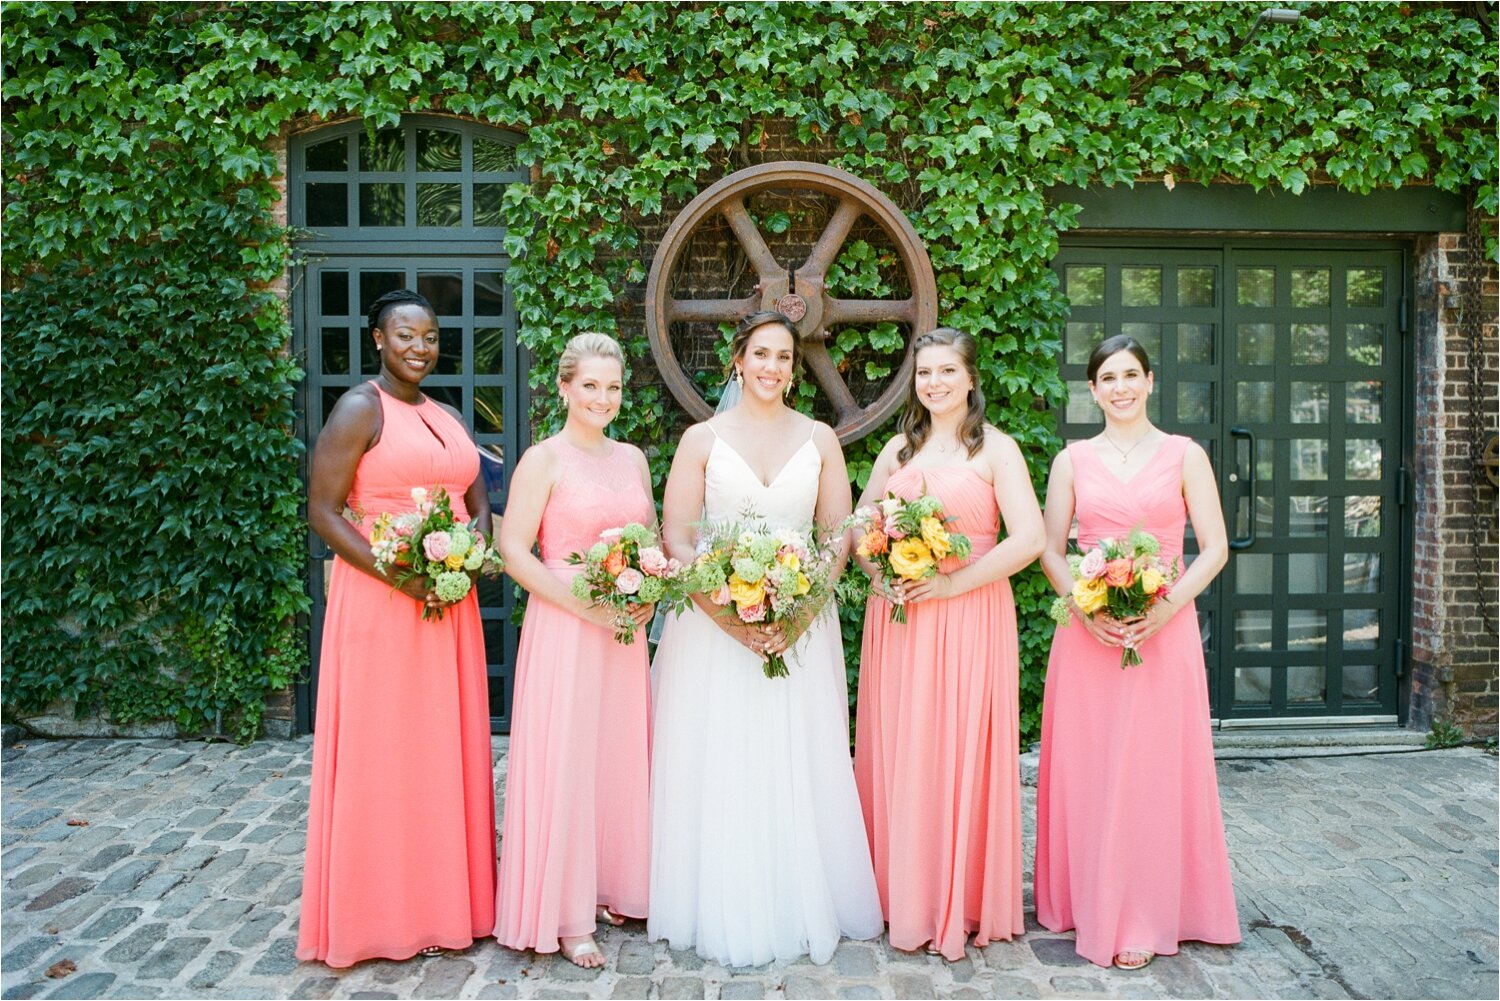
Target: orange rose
pixel 873 544
pixel 1119 573
pixel 614 563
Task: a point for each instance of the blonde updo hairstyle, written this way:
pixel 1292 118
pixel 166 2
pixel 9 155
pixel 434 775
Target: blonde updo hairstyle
pixel 588 345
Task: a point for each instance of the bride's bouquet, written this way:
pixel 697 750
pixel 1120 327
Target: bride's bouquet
pixel 429 541
pixel 906 539
pixel 1123 579
pixel 763 575
pixel 626 568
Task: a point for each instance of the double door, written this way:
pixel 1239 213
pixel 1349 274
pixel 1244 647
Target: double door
pixel 1286 364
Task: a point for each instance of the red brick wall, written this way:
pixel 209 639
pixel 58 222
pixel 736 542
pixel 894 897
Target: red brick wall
pixel 1454 649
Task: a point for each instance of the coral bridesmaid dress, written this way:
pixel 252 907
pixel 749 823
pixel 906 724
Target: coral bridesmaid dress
pixel 1130 842
pixel 577 809
pixel 401 823
pixel 936 754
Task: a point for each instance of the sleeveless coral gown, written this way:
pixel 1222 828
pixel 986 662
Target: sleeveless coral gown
pixel 401 823
pixel 1130 842
pixel 936 754
pixel 577 807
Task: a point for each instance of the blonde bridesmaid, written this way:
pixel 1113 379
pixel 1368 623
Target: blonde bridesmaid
pixel 937 741
pixel 575 844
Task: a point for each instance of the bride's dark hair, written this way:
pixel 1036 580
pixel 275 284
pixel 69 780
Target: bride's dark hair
pixel 916 422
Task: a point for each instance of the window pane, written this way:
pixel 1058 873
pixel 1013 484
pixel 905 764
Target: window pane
pixel 1081 339
pixel 327 205
pixel 369 360
pixel 440 205
pixel 1252 573
pixel 1306 629
pixel 1366 343
pixel 489 293
pixel 1310 343
pixel 1081 408
pixel 387 151
pixel 1255 402
pixel 1309 458
pixel 1366 286
pixel 1360 683
pixel 331 154
pixel 1257 287
pixel 1309 403
pixel 450 351
pixel 1252 685
pixel 439 149
pixel 489 351
pixel 336 350
pixel 1310 287
pixel 333 296
pixel 445 290
pixel 331 396
pixel 382 204
pixel 1361 573
pixel 1362 458
pixel 1305 684
pixel 1195 402
pixel 1195 286
pixel 374 284
pixel 453 396
pixel 1195 343
pixel 1256 344
pixel 1140 286
pixel 1307 573
pixel 1363 402
pixel 491 155
pixel 487 207
pixel 489 409
pixel 491 463
pixel 1084 284
pixel 1252 629
pixel 1149 334
pixel 1361 628
pixel 1362 517
pixel 1307 517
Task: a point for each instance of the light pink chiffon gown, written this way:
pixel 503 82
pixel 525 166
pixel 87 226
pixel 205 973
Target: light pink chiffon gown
pixel 937 744
pixel 576 831
pixel 1130 842
pixel 401 823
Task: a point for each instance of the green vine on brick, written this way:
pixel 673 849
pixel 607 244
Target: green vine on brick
pixel 154 546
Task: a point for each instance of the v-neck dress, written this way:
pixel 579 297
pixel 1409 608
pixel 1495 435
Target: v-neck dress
pixel 1130 843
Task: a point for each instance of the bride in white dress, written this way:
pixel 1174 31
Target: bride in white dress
pixel 758 848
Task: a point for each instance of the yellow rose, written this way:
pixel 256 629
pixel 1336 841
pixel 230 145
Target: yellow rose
pixel 911 558
pixel 803 585
pixel 936 537
pixel 453 561
pixel 1091 595
pixel 789 560
pixel 744 593
pixel 1151 581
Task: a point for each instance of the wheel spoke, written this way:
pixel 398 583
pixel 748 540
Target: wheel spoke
pixel 826 375
pixel 710 310
pixel 745 230
pixel 839 311
pixel 831 240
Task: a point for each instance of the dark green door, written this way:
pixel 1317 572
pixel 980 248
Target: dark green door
pixel 1285 364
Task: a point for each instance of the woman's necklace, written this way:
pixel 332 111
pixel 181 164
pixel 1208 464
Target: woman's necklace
pixel 1124 452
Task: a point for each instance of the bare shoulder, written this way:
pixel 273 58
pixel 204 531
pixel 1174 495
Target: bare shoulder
pixel 538 461
pixel 695 444
pixel 823 435
pixel 357 410
pixel 1001 446
pixel 1195 460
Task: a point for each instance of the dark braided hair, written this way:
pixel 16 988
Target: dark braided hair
pixel 391 300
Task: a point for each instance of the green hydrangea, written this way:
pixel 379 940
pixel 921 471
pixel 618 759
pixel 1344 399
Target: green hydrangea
pixel 750 569
pixel 652 590
pixel 637 533
pixel 1144 542
pixel 580 588
pixel 762 550
pixel 475 558
pixel 926 506
pixel 452 585
pixel 459 540
pixel 707 578
pixel 1059 611
pixel 598 551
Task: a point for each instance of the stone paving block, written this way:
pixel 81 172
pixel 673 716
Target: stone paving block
pixel 1072 985
pixel 685 959
pixel 444 978
pixel 75 912
pixel 223 832
pixel 36 874
pixel 18 856
pixel 855 960
pixel 138 943
pixel 256 929
pixel 683 989
pixel 110 923
pixel 895 955
pixel 279 958
pixel 1384 871
pixel 636 956
pixel 639 989
pixel 192 858
pixel 27 952
pixel 106 857
pixel 219 966
pixel 127 876
pixel 261 834
pixel 168 843
pixel 488 992
pixel 1180 977
pixel 199 819
pixel 35 817
pixel 157 885
pixel 552 994
pixel 316 987
pixel 374 995
pixel 912 985
pixel 290 889
pixel 1007 986
pixel 64 889
pixel 1057 952
pixel 509 964
pixel 961 994
pixel 223 864
pixel 31 990
pixel 735 990
pixel 172 957
pixel 962 971
pixel 85 985
pixel 220 914
pixel 1286 950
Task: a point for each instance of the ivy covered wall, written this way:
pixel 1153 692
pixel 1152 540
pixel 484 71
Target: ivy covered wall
pixel 153 542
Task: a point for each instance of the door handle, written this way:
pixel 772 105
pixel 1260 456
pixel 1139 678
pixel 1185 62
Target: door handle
pixel 1246 541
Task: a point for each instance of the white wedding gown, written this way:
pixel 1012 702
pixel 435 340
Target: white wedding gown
pixel 758 847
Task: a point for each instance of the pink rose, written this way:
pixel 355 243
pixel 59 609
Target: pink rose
pixel 1092 567
pixel 893 530
pixel 629 581
pixel 721 596
pixel 654 562
pixel 755 613
pixel 436 546
pixel 611 535
pixel 1119 573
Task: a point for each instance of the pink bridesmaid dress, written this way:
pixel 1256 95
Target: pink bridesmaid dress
pixel 1130 843
pixel 936 753
pixel 576 832
pixel 401 823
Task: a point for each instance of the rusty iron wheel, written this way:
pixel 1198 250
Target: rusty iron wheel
pixel 809 303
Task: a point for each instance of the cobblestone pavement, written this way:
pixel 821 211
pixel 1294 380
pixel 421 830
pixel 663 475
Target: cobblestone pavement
pixel 157 868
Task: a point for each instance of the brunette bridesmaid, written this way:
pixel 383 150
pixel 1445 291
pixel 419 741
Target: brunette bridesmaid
pixel 936 754
pixel 1130 844
pixel 401 823
pixel 575 845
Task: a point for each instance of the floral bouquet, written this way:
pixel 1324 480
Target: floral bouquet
pixel 626 568
pixel 763 576
pixel 1124 579
pixel 906 539
pixel 430 542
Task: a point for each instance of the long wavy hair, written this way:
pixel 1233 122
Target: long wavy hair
pixel 916 422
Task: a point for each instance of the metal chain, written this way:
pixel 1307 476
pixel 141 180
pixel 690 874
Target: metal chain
pixel 1470 325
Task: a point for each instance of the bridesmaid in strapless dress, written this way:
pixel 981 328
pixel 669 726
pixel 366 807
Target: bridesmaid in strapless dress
pixel 401 823
pixel 575 844
pixel 1130 846
pixel 937 741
